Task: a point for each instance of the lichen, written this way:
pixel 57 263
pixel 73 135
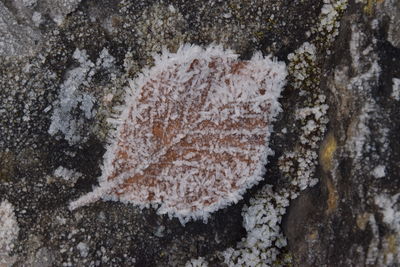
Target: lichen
pixel 328 24
pixel 74 105
pixel 265 241
pixel 327 152
pixel 8 231
pixel 298 165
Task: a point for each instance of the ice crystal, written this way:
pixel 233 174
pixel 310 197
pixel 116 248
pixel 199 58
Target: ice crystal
pixel 396 89
pixel 74 105
pixel 200 262
pixel 264 238
pixel 194 133
pixel 8 230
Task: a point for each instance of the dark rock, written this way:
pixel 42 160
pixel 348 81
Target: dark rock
pixel 349 218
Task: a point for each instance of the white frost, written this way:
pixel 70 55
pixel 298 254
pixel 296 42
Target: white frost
pixel 379 171
pixel 37 18
pixel 211 98
pixel 396 89
pixel 71 97
pixel 83 249
pixel 262 221
pixel 67 174
pixel 199 262
pixel 8 230
pixel 390 208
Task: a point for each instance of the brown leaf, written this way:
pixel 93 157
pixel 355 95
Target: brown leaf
pixel 194 133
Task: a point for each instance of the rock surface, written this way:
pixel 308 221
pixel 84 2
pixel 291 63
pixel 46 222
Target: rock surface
pixel 334 178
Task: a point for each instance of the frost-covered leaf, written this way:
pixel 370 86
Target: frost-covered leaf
pixel 194 133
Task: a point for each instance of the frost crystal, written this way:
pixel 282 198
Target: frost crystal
pixel 200 262
pixel 390 208
pixel 67 174
pixel 264 235
pixel 194 133
pixel 379 171
pixel 8 230
pixel 72 98
pixel 396 89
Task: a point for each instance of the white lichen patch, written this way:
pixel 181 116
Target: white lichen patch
pixel 329 22
pixel 37 18
pixel 83 249
pixel 373 252
pixel 299 165
pixel 70 176
pixel 194 133
pixel 8 231
pixel 72 98
pixel 367 120
pixel 261 219
pixel 300 62
pixel 360 140
pixel 366 72
pixel 379 171
pixel 396 89
pixel 390 209
pixel 360 131
pixel 199 262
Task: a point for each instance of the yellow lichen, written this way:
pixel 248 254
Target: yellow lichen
pixel 362 220
pixel 333 197
pixel 369 6
pixel 313 235
pixel 327 152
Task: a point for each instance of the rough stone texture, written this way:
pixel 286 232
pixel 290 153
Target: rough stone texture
pixel 350 218
pixel 339 222
pixel 16 38
pixel 390 12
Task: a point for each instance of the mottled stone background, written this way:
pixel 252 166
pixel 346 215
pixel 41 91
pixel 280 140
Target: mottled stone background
pixel 53 50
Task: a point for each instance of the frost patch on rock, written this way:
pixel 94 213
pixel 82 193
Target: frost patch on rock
pixel 373 252
pixel 264 238
pixel 379 171
pixel 37 18
pixel 72 100
pixel 390 208
pixel 299 165
pixel 83 249
pixel 329 21
pixel 367 72
pixel 360 141
pixel 67 174
pixel 389 254
pixel 199 262
pixel 8 231
pixel 392 10
pixel 396 89
pixel 361 131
